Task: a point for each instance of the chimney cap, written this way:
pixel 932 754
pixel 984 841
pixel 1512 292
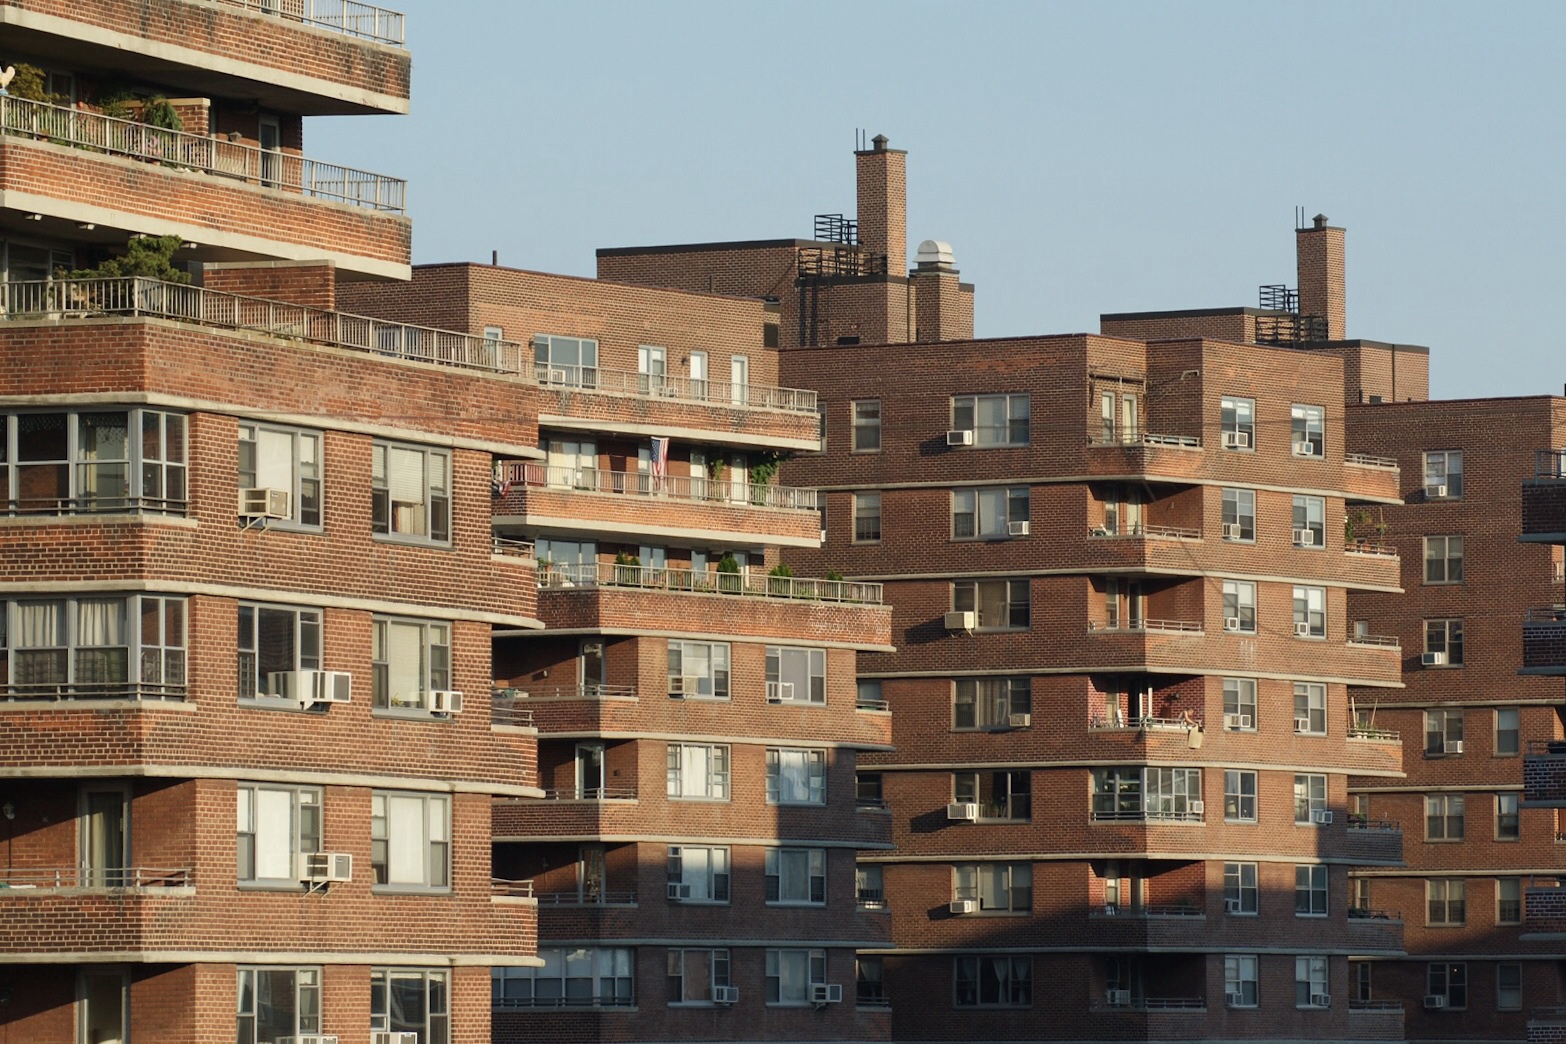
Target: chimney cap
pixel 880 142
pixel 934 253
pixel 1319 221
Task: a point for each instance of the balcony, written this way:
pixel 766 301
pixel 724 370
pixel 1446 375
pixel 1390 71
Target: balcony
pixel 360 21
pixel 1544 909
pixel 637 503
pixel 1544 641
pixel 1544 499
pixel 1373 841
pixel 569 812
pixel 106 910
pixel 1375 1020
pixel 1170 924
pixel 23 882
pixel 1544 775
pixel 1172 457
pixel 1375 930
pixel 1366 477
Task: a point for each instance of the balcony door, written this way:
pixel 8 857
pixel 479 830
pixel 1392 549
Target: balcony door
pixel 590 870
pixel 571 463
pixel 698 361
pixel 102 995
pixel 739 379
pixel 590 771
pixel 270 135
pixel 105 836
pixel 651 366
pixel 590 667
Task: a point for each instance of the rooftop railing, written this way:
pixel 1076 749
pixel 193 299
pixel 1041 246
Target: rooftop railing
pixel 1546 614
pixel 1365 460
pixel 569 692
pixel 1146 438
pixel 269 168
pixel 339 16
pixel 590 794
pixel 672 487
pixel 24 879
pixel 684 389
pixel 606 574
pixel 1151 532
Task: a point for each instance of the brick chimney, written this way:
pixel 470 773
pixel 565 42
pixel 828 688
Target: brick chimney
pixel 883 202
pixel 1319 259
pixel 942 305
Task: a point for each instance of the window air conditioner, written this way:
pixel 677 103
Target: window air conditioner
pixel 1236 721
pixel 311 687
pixel 1301 725
pixel 780 692
pixel 962 621
pixel 1436 492
pixel 678 891
pixel 682 685
pixel 1304 449
pixel 333 687
pixel 959 438
pixel 263 503
pixel 1231 906
pixel 1433 659
pixel 444 701
pixel 826 993
pixel 1435 1000
pixel 963 906
pixel 1196 808
pixel 1234 1000
pixel 1236 440
pixel 725 995
pixel 309 1038
pixel 1321 816
pixel 1454 746
pixel 1231 531
pixel 1017 529
pixel 963 811
pixel 393 1037
pixel 1321 1000
pixel 554 376
pixel 1305 537
pixel 1117 998
pixel 1019 721
pixel 322 867
pixel 1302 630
pixel 1231 623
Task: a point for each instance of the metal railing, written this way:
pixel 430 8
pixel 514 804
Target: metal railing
pixel 1152 626
pixel 1549 464
pixel 1144 816
pixel 137 296
pixel 1370 732
pixel 1385 826
pixel 569 692
pixel 1366 460
pixel 1150 532
pixel 505 710
pixel 1379 641
pixel 577 898
pixel 1366 548
pixel 1154 1004
pixel 607 574
pixel 513 1003
pixel 511 548
pixel 871 898
pixel 339 16
pixel 866 703
pixel 590 794
pixel 96 505
pixel 516 889
pixel 221 157
pixel 684 389
pixel 1146 438
pixel 1106 722
pixel 877 804
pixel 21 879
pixel 66 692
pixel 646 484
pixel 1546 614
pixel 1147 910
pixel 1543 747
pixel 1367 1004
pixel 1365 913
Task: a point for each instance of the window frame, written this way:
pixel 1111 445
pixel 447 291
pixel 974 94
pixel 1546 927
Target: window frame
pixel 79 468
pixel 965 411
pixel 309 625
pixel 1238 508
pixel 968 989
pixel 436 514
pixel 1241 594
pixel 815 769
pixel 435 665
pixel 304 833
pixel 1310 981
pixel 969 882
pixel 73 667
pixel 556 971
pixel 866 517
pixel 1243 706
pixel 1443 729
pixel 1240 885
pixel 1503 989
pixel 580 374
pixel 717 786
pixel 1447 809
pixel 815 674
pixel 1304 604
pixel 991 710
pixel 1448 979
pixel 1308 423
pixel 1236 413
pixel 1438 471
pixel 1310 890
pixel 719 882
pixel 980 508
pixel 1446 902
pixel 785 882
pixel 380 1020
pixel 437 850
pixel 1242 978
pixel 861 423
pixel 1019 614
pixel 1514 747
pixel 1507 824
pixel 715 651
pixel 1442 566
pixel 1311 803
pixel 1311 697
pixel 1301 512
pixel 307 479
pixel 815 961
pixel 719 972
pixel 1234 790
pixel 303 986
pixel 968 788
pixel 1502 914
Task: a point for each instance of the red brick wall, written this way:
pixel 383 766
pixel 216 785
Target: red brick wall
pixel 309 283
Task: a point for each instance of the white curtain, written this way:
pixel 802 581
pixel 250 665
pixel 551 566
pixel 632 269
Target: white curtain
pixel 100 621
pixel 405 664
pixel 405 840
pixel 274 835
pixel 275 460
pixel 40 625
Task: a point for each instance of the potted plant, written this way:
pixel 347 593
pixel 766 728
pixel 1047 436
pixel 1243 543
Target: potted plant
pixel 729 579
pixel 778 580
pixel 627 570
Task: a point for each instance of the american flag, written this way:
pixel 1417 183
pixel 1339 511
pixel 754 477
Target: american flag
pixel 660 460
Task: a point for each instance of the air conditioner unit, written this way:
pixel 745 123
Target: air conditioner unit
pixel 1321 816
pixel 962 621
pixel 959 438
pixel 1234 1000
pixel 310 687
pixel 780 691
pixel 1435 1000
pixel 445 701
pixel 826 993
pixel 1302 630
pixel 1236 440
pixel 1321 1000
pixel 678 891
pixel 333 687
pixel 1454 746
pixel 1231 906
pixel 725 995
pixel 1231 623
pixel 1305 537
pixel 1196 808
pixel 963 906
pixel 1433 659
pixel 1019 721
pixel 1231 531
pixel 322 867
pixel 309 1038
pixel 1017 529
pixel 393 1037
pixel 555 376
pixel 963 811
pixel 1236 721
pixel 1301 725
pixel 1117 998
pixel 1435 492
pixel 263 503
pixel 1304 449
pixel 682 685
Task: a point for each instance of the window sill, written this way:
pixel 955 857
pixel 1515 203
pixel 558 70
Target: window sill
pixel 1311 637
pixel 796 903
pixel 698 699
pixel 269 886
pixel 408 541
pixel 1445 840
pixel 796 804
pixel 278 703
pixel 1242 630
pixel 279 525
pixel 1239 822
pixel 698 800
pixel 400 889
pixel 410 714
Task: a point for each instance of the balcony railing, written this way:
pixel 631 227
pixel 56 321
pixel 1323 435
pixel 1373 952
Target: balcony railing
pixel 514 889
pixel 1148 910
pixel 1115 722
pixel 569 692
pixel 1366 460
pixel 511 548
pixel 1144 816
pixel 1150 626
pixel 577 898
pixel 1385 826
pixel 220 157
pixel 1552 614
pixel 1138 530
pixel 1380 641
pixel 685 389
pixel 1370 732
pixel 1549 464
pixel 868 703
pixel 96 505
pixel 26 879
pixel 1147 438
pixel 671 487
pixel 585 1003
pixel 506 710
pixel 338 16
pixel 1365 913
pixel 590 794
pixel 607 574
pixel 1360 547
pixel 53 692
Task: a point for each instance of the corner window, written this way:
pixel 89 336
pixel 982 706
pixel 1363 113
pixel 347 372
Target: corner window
pixel 276 1004
pixel 1130 793
pixel 1239 606
pixel 989 514
pixel 1443 560
pixel 1001 981
pixel 288 461
pixel 1443 732
pixel 1444 475
pixel 698 670
pixel 1237 423
pixel 1001 604
pixel 124 460
pixel 996 887
pixel 1240 894
pixel 275 826
pixel 1310 890
pixel 1306 428
pixel 694 974
pixel 1310 797
pixel 867 518
pixel 411 1000
pixel 1310 612
pixel 1444 817
pixel 1240 974
pixel 795 675
pixel 1239 704
pixel 869 982
pixel 1310 709
pixel 867 425
pixel 1005 795
pixel 792 973
pixel 1308 523
pixel 410 840
pixel 410 493
pixel 698 874
pixel 1446 901
pixel 1239 796
pixel 1239 514
pixel 568 361
pixel 275 641
pixel 992 420
pixel 1443 643
pixel 988 703
pixel 114 647
pixel 409 659
pixel 570 977
pixel 796 777
pixel 796 875
pixel 698 771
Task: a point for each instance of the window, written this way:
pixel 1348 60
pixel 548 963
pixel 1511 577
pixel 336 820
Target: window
pixel 1310 890
pixel 1239 514
pixel 984 703
pixel 408 660
pixel 411 1000
pixel 1123 604
pixel 1508 986
pixel 274 640
pixel 868 790
pixel 1507 825
pixel 1240 894
pixel 999 887
pixel 1239 704
pixel 1508 900
pixel 1000 795
pixel 698 670
pixel 693 974
pixel 1310 612
pixel 88 647
pixel 1306 430
pixel 1310 983
pixel 1001 604
pixel 102 1008
pixel 275 825
pixel 993 982
pixel 103 461
pixel 869 888
pixel 1449 981
pixel 698 875
pixel 1310 709
pixel 987 514
pixel 796 777
pixel 869 982
pixel 285 459
pixel 1445 901
pixel 275 1004
pixel 1443 817
pixel 995 420
pixel 1146 793
pixel 867 425
pixel 1309 522
pixel 1310 796
pixel 698 771
pixel 867 695
pixel 1239 796
pixel 1239 606
pixel 1443 732
pixel 1122 507
pixel 1360 980
pixel 1237 423
pixel 791 973
pixel 570 361
pixel 410 492
pixel 796 875
pixel 1239 980
pixel 867 518
pixel 410 840
pixel 1507 726
pixel 796 675
pixel 1443 560
pixel 1444 643
pixel 571 977
pixel 1444 468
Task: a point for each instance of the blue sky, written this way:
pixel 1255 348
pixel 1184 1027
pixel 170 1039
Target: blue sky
pixel 1080 158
